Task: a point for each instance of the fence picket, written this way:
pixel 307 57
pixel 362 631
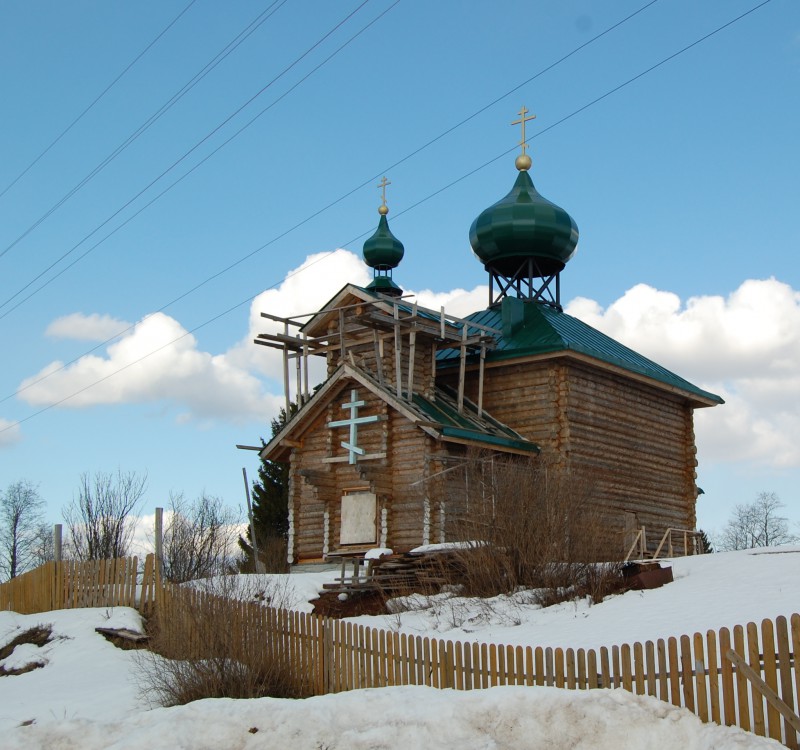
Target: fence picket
pixel 756 698
pixel 770 677
pixel 701 694
pixel 713 676
pixel 785 669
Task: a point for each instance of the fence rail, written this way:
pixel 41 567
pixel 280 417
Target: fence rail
pixel 693 671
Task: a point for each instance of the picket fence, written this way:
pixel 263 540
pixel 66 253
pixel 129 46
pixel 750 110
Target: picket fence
pixel 96 583
pixel 714 675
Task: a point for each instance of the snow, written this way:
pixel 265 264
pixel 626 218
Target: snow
pixel 377 552
pixel 87 694
pixel 709 592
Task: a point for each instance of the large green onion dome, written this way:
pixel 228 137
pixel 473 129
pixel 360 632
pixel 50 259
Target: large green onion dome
pixel 524 226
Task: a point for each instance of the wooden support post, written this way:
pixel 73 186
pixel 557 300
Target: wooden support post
pixel 398 343
pixel 480 380
pixel 341 334
pixel 441 323
pixel 286 374
pixel 258 566
pixel 378 344
pixel 299 387
pixel 305 370
pixel 462 368
pixel 412 345
pixel 57 554
pixel 159 537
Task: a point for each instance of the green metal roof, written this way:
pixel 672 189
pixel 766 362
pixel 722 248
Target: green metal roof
pixel 467 425
pixel 534 328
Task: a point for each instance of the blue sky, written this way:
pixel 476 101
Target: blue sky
pixel 683 184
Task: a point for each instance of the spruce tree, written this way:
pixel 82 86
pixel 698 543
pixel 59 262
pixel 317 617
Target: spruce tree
pixel 270 501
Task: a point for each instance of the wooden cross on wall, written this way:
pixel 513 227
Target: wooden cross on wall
pixel 352 422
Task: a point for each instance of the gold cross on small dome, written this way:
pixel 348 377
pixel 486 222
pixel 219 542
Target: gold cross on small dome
pixel 384 209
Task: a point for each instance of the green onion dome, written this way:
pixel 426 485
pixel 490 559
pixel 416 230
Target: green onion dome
pixel 383 250
pixel 524 226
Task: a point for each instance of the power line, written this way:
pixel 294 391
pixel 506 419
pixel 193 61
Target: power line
pixel 198 164
pixel 299 224
pixel 95 101
pixel 410 208
pixel 216 60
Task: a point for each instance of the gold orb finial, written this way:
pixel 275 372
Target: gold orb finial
pixel 523 162
pixel 383 210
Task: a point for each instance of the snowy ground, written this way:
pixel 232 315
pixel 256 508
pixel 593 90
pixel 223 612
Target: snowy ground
pixel 87 695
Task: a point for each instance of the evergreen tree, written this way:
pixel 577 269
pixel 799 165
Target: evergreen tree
pixel 705 543
pixel 270 501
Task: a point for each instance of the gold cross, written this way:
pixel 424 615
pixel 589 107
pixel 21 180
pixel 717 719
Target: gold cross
pixel 382 185
pixel 522 120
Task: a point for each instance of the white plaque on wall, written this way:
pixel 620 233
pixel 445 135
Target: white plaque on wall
pixel 358 518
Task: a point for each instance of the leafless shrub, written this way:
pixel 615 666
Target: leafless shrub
pixel 199 538
pixel 532 526
pixel 101 519
pixel 205 646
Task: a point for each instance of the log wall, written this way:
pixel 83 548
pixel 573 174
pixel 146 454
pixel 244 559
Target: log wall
pixel 633 442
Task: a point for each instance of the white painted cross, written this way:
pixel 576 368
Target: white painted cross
pixel 353 422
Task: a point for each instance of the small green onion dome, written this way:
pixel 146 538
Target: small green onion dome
pixel 522 226
pixel 383 250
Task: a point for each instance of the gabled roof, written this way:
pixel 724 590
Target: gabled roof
pixel 533 329
pixel 439 417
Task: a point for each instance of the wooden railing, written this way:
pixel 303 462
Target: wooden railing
pixel 746 676
pixel 691 544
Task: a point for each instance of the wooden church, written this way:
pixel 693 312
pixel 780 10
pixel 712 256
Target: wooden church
pixel 411 393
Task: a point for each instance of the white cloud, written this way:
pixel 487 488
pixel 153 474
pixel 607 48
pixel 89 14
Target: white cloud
pixel 459 302
pixel 9 433
pixel 175 371
pixel 94 327
pixel 745 347
pixel 304 290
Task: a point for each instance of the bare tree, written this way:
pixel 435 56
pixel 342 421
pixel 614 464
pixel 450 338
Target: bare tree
pixel 756 524
pixel 199 538
pixel 21 509
pixel 102 518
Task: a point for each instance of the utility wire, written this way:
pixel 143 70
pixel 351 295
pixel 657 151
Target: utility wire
pixel 198 164
pixel 363 234
pixel 216 60
pixel 96 100
pixel 317 213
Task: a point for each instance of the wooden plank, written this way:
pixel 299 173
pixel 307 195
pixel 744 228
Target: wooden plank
pixel 580 656
pixel 605 670
pixel 591 669
pixel 726 680
pixel 519 666
pixel 539 665
pixel 615 667
pixel 493 673
pixel 627 673
pixel 674 672
pixel 756 699
pixel 651 667
pixel 743 701
pixel 785 670
pixel 458 665
pixel 639 667
pixel 795 628
pixel 687 670
pixel 701 693
pixel 571 682
pixel 468 665
pixel 770 677
pixel 713 676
